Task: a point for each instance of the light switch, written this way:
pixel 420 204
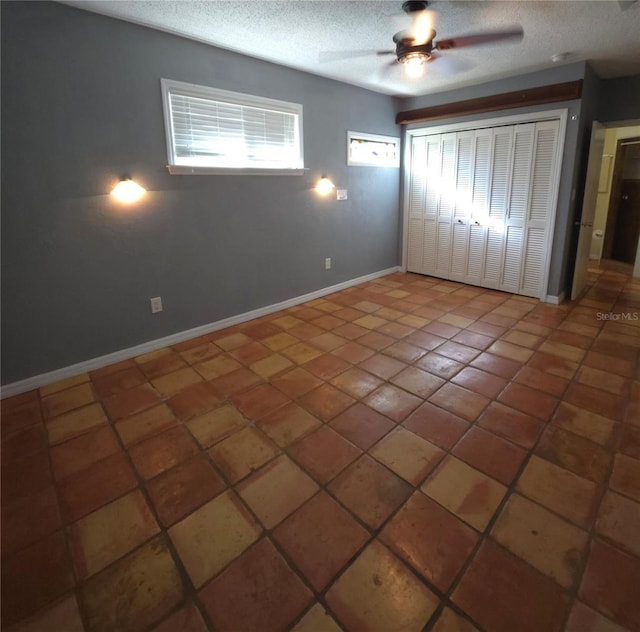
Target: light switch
pixel 341 194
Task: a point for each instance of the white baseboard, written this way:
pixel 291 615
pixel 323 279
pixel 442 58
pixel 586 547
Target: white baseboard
pixel 22 386
pixel 556 300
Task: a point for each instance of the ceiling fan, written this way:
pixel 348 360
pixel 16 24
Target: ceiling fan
pixel 416 46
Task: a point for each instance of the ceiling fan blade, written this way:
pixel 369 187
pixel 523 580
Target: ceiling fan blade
pixel 389 71
pixel 477 39
pixel 450 64
pixel 337 55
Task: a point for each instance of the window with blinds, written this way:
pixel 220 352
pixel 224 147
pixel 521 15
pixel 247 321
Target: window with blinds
pixel 210 130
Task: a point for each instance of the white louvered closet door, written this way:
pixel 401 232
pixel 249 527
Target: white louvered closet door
pixel 417 188
pixel 447 189
pixel 516 216
pixel 432 202
pixel 461 192
pixel 480 205
pixel 538 231
pixel 501 174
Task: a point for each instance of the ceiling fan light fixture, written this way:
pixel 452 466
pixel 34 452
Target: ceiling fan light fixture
pixel 414 62
pixel 414 58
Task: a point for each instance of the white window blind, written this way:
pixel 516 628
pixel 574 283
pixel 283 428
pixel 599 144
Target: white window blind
pixel 210 130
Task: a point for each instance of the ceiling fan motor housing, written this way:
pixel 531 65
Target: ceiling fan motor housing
pixel 412 6
pixel 406 49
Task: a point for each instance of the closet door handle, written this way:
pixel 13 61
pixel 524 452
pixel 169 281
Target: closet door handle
pixel 477 223
pixel 460 221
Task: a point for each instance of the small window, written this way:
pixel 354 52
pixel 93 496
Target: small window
pixel 215 131
pixel 373 150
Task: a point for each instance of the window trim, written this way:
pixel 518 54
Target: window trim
pixel 238 98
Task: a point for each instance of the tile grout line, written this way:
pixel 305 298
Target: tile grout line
pixel 511 490
pixel 283 450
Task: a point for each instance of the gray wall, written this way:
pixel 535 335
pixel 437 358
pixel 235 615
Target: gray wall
pixel 572 147
pixel 588 113
pixel 81 106
pixel 619 99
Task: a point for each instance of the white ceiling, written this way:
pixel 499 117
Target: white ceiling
pixel 298 33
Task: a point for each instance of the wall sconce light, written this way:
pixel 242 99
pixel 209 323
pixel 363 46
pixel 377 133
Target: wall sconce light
pixel 324 186
pixel 127 191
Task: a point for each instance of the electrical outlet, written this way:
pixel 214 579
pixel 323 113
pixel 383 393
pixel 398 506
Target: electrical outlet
pixel 327 263
pixel 156 304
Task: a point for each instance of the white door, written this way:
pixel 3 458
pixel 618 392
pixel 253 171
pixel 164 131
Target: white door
pixel 481 205
pixel 446 185
pixel 501 174
pixel 432 203
pixel 461 192
pixel 415 203
pixel 538 231
pixel 516 217
pixel 588 209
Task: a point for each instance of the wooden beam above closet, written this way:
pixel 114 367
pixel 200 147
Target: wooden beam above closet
pixel 521 98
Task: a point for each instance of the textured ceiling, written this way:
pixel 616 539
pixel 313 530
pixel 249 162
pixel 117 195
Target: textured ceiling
pixel 301 33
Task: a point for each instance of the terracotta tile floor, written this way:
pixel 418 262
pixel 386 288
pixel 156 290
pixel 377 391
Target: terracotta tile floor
pixel 407 454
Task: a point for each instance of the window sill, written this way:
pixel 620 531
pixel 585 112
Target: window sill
pixel 183 170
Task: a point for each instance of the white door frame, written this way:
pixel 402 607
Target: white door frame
pixel 588 211
pixel 514 119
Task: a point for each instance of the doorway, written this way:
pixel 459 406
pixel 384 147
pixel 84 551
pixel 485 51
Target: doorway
pixel 622 227
pixel 615 158
pixel 595 223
